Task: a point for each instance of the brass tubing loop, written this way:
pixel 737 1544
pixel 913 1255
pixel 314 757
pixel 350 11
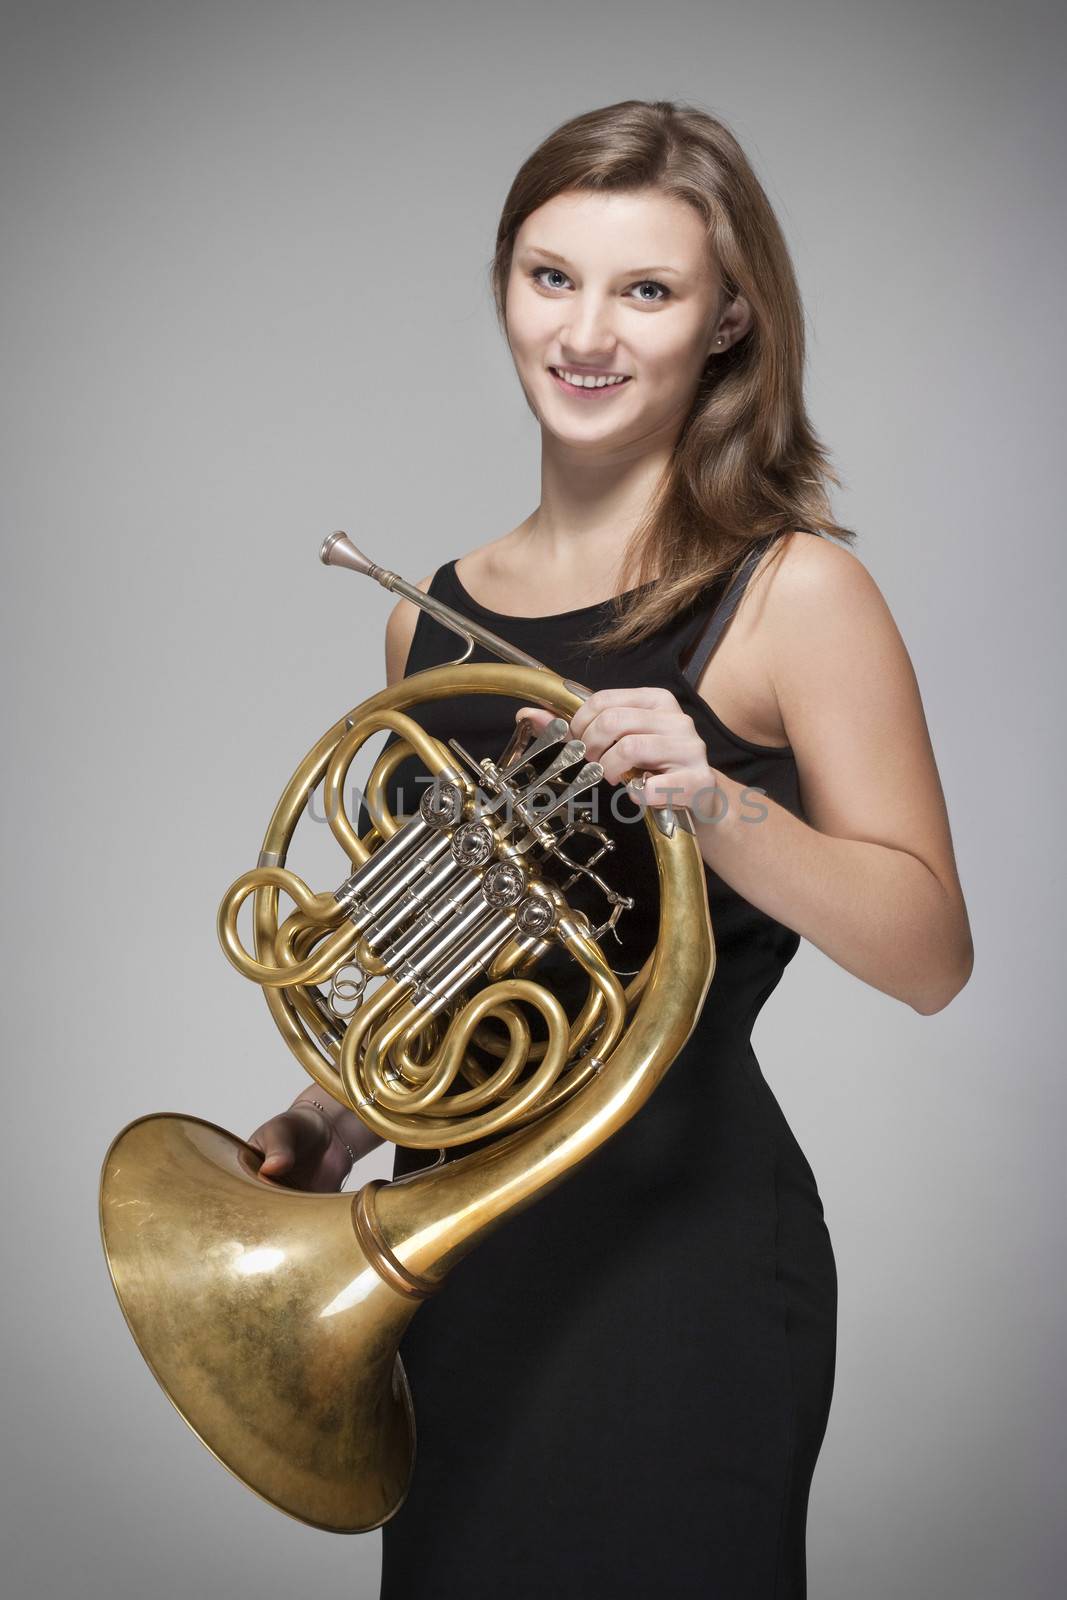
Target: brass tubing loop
pixel 272 1317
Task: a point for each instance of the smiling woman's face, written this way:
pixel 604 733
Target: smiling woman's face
pixel 619 285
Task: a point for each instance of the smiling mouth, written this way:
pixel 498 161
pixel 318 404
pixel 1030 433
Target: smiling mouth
pixel 588 383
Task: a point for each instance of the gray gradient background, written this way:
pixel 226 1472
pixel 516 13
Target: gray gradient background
pixel 246 304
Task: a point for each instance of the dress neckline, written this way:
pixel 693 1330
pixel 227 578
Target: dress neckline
pixel 549 616
pixel 685 686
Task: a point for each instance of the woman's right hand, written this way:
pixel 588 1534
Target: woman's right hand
pixel 302 1150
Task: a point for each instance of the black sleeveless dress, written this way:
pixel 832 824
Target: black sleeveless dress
pixel 623 1391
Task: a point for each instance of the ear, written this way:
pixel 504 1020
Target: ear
pixel 733 324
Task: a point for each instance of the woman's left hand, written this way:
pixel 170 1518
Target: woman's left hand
pixel 644 729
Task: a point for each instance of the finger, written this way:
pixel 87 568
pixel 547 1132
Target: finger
pixel 278 1153
pixel 697 791
pixel 277 1161
pixel 616 722
pixel 535 714
pixel 645 698
pixel 647 752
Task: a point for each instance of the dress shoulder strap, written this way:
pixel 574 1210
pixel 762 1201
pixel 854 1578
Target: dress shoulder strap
pixel 720 616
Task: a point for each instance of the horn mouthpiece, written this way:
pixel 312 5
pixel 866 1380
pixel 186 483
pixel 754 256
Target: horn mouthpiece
pixel 339 551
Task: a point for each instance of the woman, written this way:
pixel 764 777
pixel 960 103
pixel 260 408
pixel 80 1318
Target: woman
pixel 624 1390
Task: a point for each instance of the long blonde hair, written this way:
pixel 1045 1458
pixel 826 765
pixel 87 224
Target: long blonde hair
pixel 747 461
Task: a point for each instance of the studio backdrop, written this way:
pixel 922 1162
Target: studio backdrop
pixel 247 302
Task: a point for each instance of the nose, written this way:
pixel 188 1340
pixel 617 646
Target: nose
pixel 586 334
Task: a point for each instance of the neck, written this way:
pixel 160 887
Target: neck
pixel 591 506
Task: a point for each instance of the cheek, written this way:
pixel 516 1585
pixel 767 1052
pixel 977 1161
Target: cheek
pixel 514 321
pixel 527 322
pixel 673 359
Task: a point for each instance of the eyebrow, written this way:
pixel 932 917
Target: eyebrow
pixel 539 249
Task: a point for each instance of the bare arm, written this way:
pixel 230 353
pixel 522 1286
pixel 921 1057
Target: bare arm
pixel 870 877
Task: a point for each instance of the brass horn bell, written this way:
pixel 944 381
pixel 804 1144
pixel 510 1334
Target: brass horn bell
pixel 272 1317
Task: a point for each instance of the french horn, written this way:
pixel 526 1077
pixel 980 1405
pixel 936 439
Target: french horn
pixel 272 1317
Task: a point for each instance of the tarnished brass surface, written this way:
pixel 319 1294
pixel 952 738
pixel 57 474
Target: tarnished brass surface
pixel 257 1310
pixel 272 1317
pixel 335 751
pixel 432 1219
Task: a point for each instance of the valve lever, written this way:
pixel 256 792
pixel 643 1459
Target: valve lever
pixel 550 734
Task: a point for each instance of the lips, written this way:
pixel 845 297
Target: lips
pixel 587 391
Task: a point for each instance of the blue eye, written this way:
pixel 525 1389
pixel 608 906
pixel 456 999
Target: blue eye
pixel 535 274
pixel 645 283
pixel 650 283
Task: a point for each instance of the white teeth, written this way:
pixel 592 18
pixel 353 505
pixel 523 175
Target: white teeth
pixel 590 382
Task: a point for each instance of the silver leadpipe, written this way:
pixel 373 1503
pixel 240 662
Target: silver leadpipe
pixel 339 551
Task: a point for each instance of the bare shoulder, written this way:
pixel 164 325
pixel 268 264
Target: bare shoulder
pixel 813 573
pixel 796 582
pixel 825 614
pixel 852 708
pixel 399 632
